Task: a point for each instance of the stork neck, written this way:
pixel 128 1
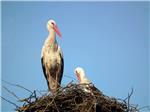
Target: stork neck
pixel 82 78
pixel 51 36
pixel 51 42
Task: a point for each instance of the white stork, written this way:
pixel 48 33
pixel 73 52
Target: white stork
pixel 81 76
pixel 86 84
pixel 80 73
pixel 52 58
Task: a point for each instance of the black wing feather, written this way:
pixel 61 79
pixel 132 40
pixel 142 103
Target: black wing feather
pixel 62 67
pixel 43 67
pixel 44 71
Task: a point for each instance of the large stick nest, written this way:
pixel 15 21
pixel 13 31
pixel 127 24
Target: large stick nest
pixel 73 98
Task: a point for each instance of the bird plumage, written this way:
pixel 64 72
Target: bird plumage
pixel 80 73
pixel 85 83
pixel 52 59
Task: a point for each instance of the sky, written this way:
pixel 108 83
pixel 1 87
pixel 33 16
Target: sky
pixel 110 40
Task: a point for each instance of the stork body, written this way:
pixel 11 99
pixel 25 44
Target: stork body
pixel 52 58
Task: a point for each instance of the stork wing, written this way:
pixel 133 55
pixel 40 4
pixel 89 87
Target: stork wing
pixel 44 70
pixel 43 67
pixel 61 66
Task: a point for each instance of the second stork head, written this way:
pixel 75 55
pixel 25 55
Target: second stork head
pixel 80 73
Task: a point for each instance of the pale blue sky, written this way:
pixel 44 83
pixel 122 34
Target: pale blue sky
pixel 108 39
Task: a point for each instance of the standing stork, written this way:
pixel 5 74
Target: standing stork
pixel 52 58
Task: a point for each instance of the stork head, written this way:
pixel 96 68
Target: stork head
pixel 51 25
pixel 80 73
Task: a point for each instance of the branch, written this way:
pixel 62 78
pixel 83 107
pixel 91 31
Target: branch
pixel 145 107
pixel 129 96
pixel 12 93
pixel 10 102
pixel 17 85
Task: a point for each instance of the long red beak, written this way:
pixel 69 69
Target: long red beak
pixel 57 30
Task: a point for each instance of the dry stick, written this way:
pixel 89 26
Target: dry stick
pixel 129 96
pixel 67 77
pixel 68 85
pixel 90 108
pixel 10 102
pixel 145 107
pixel 56 106
pixel 12 93
pixel 35 96
pixel 122 100
pixel 40 91
pixel 70 77
pixel 28 100
pixel 49 104
pixel 17 85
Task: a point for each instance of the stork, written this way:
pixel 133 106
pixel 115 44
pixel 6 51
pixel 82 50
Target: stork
pixel 80 73
pixel 52 58
pixel 87 86
pixel 81 76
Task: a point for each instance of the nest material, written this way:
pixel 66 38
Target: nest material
pixel 73 98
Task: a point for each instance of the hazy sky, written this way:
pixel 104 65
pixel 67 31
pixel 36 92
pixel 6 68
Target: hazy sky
pixel 108 39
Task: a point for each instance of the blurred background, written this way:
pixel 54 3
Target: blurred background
pixel 110 40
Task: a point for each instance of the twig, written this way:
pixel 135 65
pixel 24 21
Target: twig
pixel 12 93
pixel 17 85
pixel 56 106
pixel 70 77
pixel 49 104
pixel 145 107
pixel 41 92
pixel 128 100
pixel 10 102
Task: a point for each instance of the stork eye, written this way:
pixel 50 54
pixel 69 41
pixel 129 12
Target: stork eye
pixel 52 23
pixel 76 72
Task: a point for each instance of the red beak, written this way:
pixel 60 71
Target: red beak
pixel 57 30
pixel 78 76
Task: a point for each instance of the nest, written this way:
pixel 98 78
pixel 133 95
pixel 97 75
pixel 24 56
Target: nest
pixel 74 98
